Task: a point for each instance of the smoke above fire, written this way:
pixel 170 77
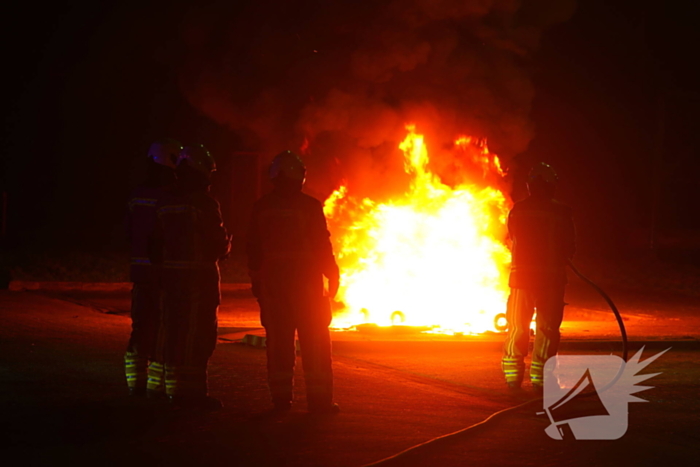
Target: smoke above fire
pixel 339 80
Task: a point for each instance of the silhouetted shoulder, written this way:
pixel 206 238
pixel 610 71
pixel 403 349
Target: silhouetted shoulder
pixel 267 199
pixel 300 199
pixel 205 201
pixel 311 201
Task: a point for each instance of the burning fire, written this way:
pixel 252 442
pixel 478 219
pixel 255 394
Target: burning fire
pixel 432 257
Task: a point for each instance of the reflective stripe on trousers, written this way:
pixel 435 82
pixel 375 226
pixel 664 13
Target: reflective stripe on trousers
pixel 537 373
pixel 185 380
pixel 135 370
pixel 156 376
pixel 190 320
pixel 521 306
pixel 513 369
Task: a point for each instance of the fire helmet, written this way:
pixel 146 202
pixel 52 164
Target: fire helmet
pixel 165 152
pixel 544 172
pixel 198 158
pixel 542 178
pixel 288 165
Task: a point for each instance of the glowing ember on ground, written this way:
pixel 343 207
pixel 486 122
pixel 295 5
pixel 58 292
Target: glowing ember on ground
pixel 432 257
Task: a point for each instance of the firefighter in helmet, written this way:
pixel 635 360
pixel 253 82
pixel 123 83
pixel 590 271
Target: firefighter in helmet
pixel 543 239
pixel 143 361
pixel 190 239
pixel 289 253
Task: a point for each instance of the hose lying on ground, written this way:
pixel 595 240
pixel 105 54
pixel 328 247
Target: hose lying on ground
pixel 434 441
pixel 611 304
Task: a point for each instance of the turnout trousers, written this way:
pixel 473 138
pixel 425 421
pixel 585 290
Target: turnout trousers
pixel 549 303
pixel 282 319
pixel 143 360
pixel 190 305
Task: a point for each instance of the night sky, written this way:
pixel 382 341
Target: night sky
pixel 90 86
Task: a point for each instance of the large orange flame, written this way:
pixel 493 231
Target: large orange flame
pixel 433 257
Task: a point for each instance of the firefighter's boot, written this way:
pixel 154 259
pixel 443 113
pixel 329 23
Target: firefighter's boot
pixel 136 374
pixel 513 370
pixel 537 375
pixel 156 381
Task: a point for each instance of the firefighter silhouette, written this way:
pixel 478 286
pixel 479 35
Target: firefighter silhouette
pixel 543 239
pixel 143 360
pixel 289 253
pixel 189 240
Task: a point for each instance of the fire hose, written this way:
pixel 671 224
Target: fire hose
pixel 500 324
pixel 473 428
pixel 611 304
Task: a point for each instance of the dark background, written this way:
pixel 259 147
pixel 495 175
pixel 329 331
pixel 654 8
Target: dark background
pixel 616 110
pixel 89 87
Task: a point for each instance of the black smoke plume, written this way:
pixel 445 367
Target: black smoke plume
pixel 338 80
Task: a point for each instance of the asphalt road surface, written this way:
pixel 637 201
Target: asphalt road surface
pixel 63 394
